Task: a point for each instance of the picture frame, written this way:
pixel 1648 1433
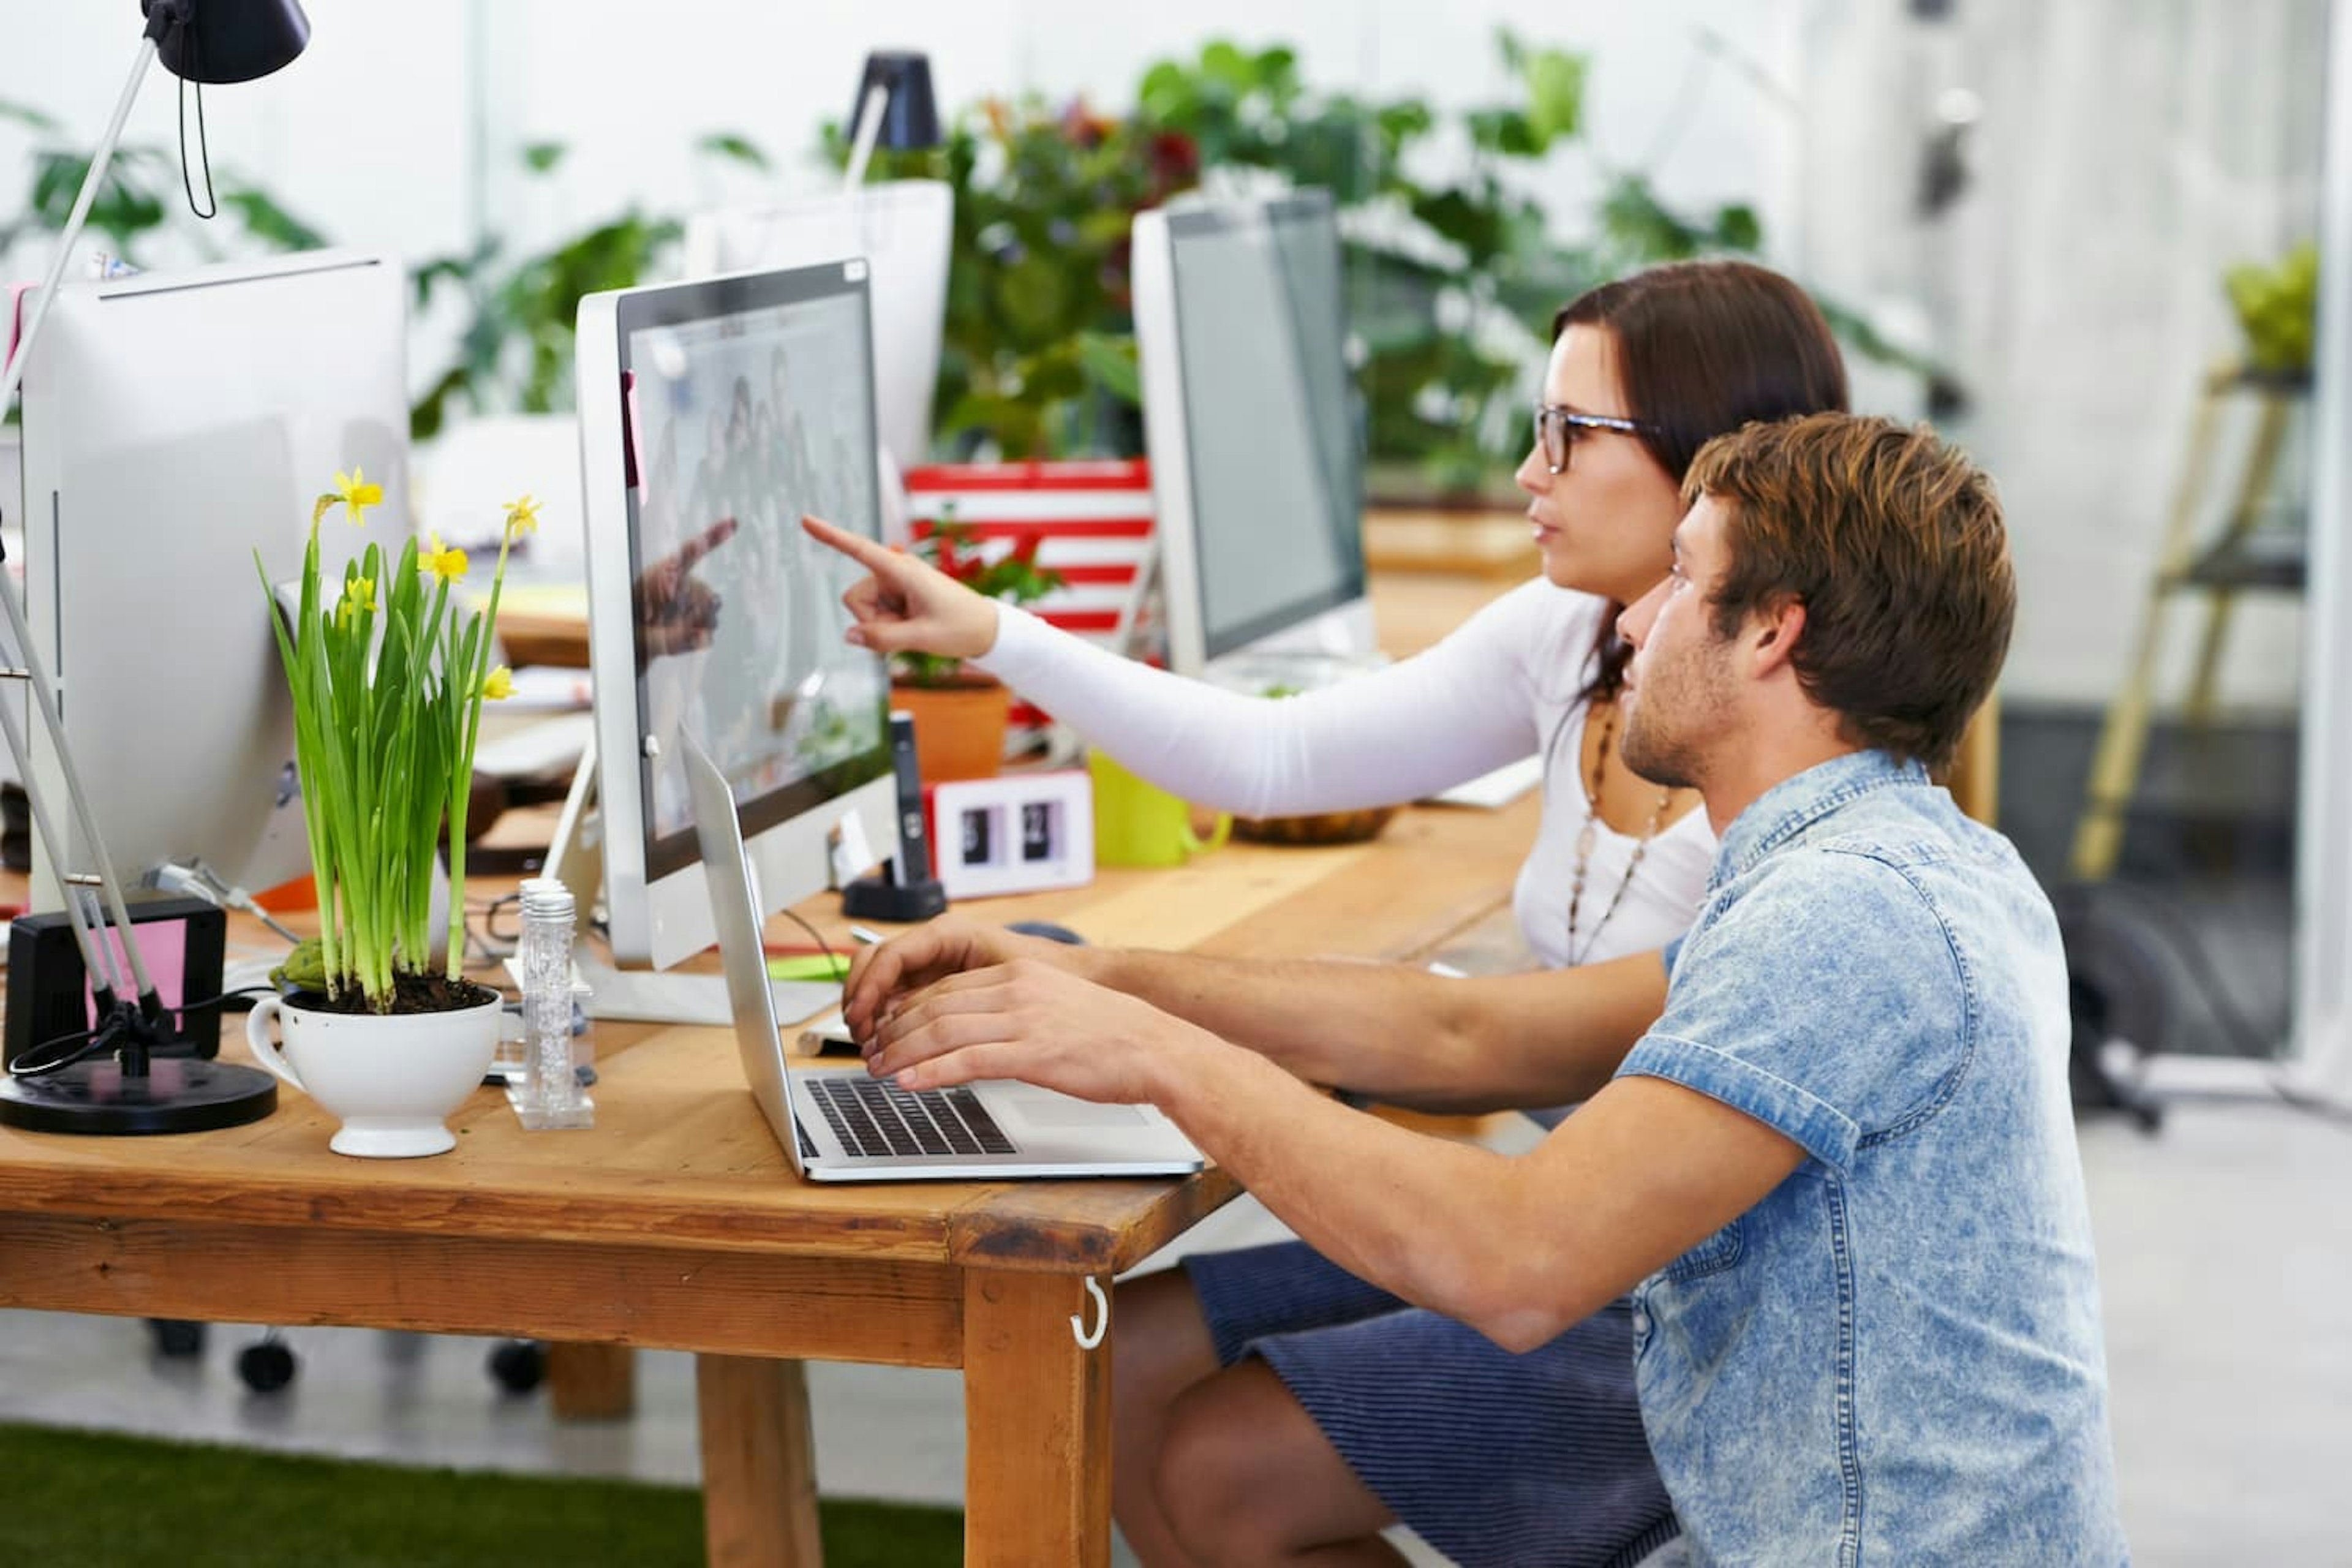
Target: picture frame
pixel 1021 833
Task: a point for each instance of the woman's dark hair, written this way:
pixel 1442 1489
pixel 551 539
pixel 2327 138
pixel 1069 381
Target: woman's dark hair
pixel 1703 347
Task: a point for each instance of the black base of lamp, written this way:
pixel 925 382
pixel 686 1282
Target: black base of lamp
pixel 178 1095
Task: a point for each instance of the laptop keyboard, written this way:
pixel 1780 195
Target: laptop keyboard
pixel 873 1117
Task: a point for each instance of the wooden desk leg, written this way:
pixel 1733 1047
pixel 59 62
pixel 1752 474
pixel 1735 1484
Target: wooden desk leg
pixel 590 1382
pixel 1036 1416
pixel 759 1463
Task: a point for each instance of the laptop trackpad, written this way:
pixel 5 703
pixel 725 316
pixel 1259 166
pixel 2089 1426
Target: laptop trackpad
pixel 1047 1109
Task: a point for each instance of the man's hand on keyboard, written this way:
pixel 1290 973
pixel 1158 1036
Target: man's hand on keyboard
pixel 881 979
pixel 1031 1018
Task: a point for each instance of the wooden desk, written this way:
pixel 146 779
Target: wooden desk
pixel 677 1223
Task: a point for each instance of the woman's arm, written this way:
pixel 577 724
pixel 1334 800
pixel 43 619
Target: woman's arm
pixel 1391 734
pixel 1451 713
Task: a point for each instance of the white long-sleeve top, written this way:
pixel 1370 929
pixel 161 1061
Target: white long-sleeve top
pixel 1502 685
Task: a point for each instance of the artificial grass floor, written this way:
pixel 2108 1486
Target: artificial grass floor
pixel 98 1499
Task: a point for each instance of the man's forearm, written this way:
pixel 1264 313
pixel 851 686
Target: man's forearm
pixel 1517 1247
pixel 1405 1035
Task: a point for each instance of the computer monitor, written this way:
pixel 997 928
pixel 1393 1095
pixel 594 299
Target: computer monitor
pixel 175 424
pixel 1249 416
pixel 749 396
pixel 904 229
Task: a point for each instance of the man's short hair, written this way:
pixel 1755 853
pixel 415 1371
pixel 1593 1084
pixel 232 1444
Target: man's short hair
pixel 1892 541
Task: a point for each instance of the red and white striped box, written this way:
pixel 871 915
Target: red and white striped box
pixel 1092 520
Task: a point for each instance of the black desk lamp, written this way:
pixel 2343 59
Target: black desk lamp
pixel 111 1083
pixel 894 108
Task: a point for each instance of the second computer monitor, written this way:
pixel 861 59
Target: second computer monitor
pixel 712 415
pixel 1249 416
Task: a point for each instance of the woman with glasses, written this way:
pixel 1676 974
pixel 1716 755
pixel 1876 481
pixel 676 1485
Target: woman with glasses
pixel 1319 1410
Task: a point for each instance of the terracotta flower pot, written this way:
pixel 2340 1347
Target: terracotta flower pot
pixel 959 726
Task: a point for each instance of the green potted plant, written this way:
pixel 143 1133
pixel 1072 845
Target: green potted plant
pixel 2278 309
pixel 388 679
pixel 960 714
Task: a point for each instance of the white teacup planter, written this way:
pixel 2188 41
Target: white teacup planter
pixel 389 1078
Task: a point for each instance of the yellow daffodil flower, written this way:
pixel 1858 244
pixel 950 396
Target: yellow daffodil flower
pixel 447 563
pixel 354 492
pixel 522 517
pixel 499 685
pixel 359 598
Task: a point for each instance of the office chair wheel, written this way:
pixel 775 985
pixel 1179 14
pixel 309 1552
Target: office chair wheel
pixel 519 1365
pixel 177 1337
pixel 266 1367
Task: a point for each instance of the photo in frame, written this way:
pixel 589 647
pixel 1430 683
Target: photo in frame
pixel 1021 833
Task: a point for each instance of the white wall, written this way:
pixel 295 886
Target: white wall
pixel 375 134
pixel 364 136
pixel 2129 152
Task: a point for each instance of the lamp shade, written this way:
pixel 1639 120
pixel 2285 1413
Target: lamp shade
pixel 910 118
pixel 219 41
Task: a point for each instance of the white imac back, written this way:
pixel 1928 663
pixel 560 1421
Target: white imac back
pixel 176 424
pixel 1249 420
pixel 905 229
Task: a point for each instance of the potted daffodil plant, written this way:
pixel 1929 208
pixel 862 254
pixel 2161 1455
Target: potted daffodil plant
pixel 388 666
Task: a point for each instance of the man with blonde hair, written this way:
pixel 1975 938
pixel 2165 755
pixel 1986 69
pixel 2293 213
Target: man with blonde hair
pixel 1825 1141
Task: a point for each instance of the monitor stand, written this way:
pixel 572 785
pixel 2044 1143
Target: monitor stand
pixel 575 857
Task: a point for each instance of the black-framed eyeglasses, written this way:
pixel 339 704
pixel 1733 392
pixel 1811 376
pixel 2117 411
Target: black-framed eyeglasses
pixel 1556 429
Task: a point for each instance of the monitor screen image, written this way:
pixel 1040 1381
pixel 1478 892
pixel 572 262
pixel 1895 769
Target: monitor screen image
pixel 1250 417
pixel 712 416
pixel 177 424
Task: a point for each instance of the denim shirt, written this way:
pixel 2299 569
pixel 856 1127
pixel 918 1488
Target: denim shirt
pixel 1895 1356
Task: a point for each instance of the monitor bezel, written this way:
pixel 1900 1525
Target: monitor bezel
pixel 658 908
pixel 1335 620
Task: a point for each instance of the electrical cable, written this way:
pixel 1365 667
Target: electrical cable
pixel 34 1061
pixel 839 961
pixel 204 142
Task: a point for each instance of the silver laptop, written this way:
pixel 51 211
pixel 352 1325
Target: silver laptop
pixel 840 1124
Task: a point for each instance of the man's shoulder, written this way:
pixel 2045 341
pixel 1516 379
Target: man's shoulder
pixel 1831 883
pixel 1890 848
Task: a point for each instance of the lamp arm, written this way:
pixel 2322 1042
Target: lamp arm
pixel 94 961
pixel 37 681
pixel 869 127
pixel 36 678
pixel 15 374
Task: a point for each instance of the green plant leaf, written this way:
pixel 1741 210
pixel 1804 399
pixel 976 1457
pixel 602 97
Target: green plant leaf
pixel 1110 362
pixel 541 157
pixel 26 115
pixel 266 220
pixel 1736 227
pixel 1555 83
pixel 735 147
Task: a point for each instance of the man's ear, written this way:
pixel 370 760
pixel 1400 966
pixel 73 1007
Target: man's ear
pixel 1773 633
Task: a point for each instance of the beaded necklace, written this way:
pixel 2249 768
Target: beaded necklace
pixel 1590 835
